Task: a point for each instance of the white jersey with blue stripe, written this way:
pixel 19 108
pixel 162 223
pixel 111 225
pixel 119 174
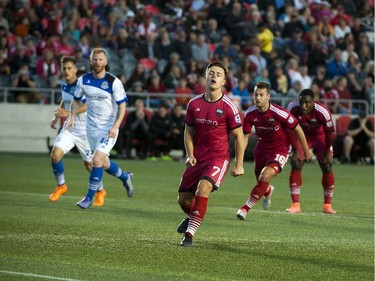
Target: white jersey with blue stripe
pixel 103 96
pixel 67 91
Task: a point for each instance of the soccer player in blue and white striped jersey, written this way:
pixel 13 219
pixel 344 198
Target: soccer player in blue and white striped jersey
pixel 106 105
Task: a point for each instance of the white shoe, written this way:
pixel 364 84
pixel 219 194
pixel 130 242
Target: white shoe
pixel 267 200
pixel 241 214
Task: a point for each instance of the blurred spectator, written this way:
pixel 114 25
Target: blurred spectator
pixel 200 50
pixel 173 77
pixel 177 117
pixel 306 78
pixel 138 75
pixel 182 88
pixel 83 64
pixel 257 59
pixel 174 60
pixel 23 80
pixel 296 88
pixel 212 32
pixel 235 23
pixel 328 92
pixel 320 76
pixel 19 59
pixel 84 46
pixel 295 47
pixel 200 86
pixel 336 66
pixel 294 24
pixel 161 129
pixel 359 140
pixel 294 73
pixel 266 39
pixel 47 68
pixel 180 46
pixel 147 47
pixel 225 48
pixel 126 42
pixel 243 93
pixel 158 88
pixel 344 93
pixel 349 51
pixel 264 76
pixel 340 30
pixel 280 81
pixel 217 10
pixel 147 26
pixel 137 129
pixel 64 48
pixel 163 49
pixel 5 68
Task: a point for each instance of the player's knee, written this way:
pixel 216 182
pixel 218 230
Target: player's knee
pixel 184 201
pixel 326 168
pixel 55 157
pixel 88 165
pixel 296 165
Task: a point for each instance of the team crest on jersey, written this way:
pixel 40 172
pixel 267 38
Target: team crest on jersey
pixel 219 112
pixel 272 121
pixel 290 120
pixel 329 124
pixel 72 90
pixel 237 118
pixel 104 85
pixel 313 121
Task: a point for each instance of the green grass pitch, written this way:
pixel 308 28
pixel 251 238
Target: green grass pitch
pixel 136 238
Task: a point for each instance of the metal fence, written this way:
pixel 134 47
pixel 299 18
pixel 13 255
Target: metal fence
pixel 53 96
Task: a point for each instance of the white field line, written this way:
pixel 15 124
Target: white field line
pixel 320 214
pixel 37 275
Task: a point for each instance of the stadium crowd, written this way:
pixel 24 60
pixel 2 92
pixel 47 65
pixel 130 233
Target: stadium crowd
pixel 163 46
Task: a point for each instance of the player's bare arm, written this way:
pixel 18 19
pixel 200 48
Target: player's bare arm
pixel 120 115
pixel 239 146
pixel 302 139
pixel 189 146
pixel 73 113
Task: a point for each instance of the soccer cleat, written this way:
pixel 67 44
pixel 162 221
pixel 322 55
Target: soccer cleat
pixel 294 208
pixel 327 209
pixel 183 226
pixel 99 198
pixel 84 203
pixel 59 190
pixel 241 214
pixel 187 241
pixel 128 184
pixel 267 200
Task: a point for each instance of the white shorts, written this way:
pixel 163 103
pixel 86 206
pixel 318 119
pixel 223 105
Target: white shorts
pixel 66 141
pixel 99 140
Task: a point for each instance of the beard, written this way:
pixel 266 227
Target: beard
pixel 98 69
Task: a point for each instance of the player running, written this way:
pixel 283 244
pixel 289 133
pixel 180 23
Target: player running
pixel 272 125
pixel 66 140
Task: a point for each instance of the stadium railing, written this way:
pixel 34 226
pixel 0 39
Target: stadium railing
pixel 53 96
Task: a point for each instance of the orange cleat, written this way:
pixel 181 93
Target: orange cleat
pixel 327 209
pixel 294 208
pixel 99 198
pixel 59 190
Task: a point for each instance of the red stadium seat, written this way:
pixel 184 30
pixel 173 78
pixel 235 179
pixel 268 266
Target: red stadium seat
pixel 147 63
pixel 342 124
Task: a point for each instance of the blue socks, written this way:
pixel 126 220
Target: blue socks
pixel 95 180
pixel 58 171
pixel 116 171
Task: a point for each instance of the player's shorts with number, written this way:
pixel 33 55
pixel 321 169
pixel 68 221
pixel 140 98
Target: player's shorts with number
pixel 99 140
pixel 262 159
pixel 66 141
pixel 212 170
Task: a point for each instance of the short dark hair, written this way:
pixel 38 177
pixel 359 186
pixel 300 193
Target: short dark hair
pixel 66 59
pixel 306 92
pixel 262 85
pixel 218 64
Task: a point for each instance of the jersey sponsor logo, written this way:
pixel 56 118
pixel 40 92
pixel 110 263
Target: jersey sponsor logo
pixel 198 109
pixel 219 112
pixel 104 85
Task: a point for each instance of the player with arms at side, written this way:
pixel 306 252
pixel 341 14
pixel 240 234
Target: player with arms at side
pixel 316 122
pixel 272 125
pixel 106 105
pixel 210 119
pixel 66 140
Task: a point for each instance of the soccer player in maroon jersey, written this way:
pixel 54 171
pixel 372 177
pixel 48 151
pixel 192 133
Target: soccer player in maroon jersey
pixel 316 122
pixel 210 119
pixel 272 126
